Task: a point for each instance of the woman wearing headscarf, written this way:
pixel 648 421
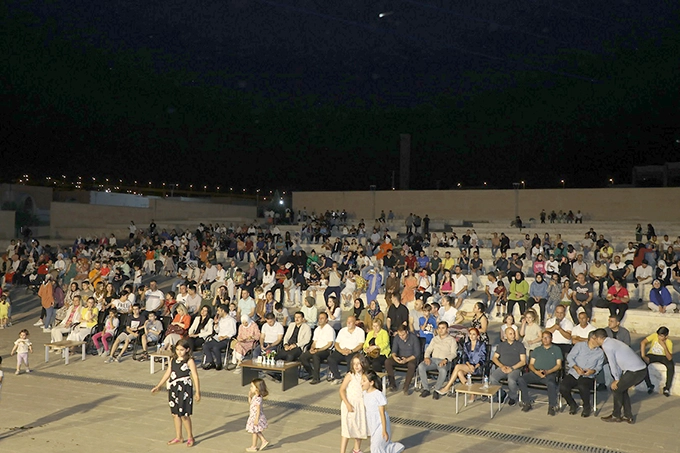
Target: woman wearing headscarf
pixel 518 293
pixel 663 273
pixel 374 280
pixel 660 299
pixel 372 313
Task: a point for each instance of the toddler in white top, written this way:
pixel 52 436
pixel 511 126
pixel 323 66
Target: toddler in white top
pixel 22 347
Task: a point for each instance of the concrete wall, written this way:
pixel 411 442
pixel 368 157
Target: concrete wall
pixel 42 196
pixel 68 220
pixel 7 224
pixel 635 204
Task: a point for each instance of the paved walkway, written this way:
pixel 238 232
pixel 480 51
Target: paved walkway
pixel 91 406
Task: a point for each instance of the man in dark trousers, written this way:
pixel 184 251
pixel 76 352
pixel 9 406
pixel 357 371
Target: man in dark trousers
pixel 627 369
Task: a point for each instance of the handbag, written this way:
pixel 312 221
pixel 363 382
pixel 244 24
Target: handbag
pixel 178 330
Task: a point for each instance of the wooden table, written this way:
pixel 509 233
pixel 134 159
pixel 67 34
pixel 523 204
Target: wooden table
pixel 165 357
pixel 289 372
pixel 63 346
pixel 480 390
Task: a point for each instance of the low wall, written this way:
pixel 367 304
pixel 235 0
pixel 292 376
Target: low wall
pixel 7 224
pixel 631 204
pixel 69 220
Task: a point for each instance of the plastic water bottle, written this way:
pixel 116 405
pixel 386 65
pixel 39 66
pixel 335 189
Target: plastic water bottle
pixel 486 382
pixel 469 379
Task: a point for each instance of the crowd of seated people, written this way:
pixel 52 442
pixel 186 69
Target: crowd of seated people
pixel 269 285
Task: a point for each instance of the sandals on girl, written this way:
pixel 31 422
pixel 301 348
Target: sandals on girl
pixel 190 442
pixel 176 440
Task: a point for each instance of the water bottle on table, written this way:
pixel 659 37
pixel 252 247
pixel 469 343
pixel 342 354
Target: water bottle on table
pixel 469 379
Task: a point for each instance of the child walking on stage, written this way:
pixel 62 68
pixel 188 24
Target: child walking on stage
pixel 22 347
pixel 377 417
pixel 183 378
pixel 257 422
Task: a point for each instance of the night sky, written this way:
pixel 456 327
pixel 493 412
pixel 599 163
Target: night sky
pixel 307 95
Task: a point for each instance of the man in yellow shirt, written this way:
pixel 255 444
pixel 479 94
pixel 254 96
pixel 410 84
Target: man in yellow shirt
pixel 448 262
pixel 660 351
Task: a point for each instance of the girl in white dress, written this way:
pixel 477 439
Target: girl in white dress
pixel 352 412
pixel 376 416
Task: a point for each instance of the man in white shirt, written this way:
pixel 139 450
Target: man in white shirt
pixel 561 327
pixel 193 300
pixel 153 297
pixel 208 276
pixel 183 294
pixel 350 340
pixel 460 287
pixel 643 276
pixel 220 278
pixel 271 336
pixel 628 254
pixel 578 267
pixel 618 270
pixel 224 329
pixel 322 342
pixel 490 297
pixel 579 332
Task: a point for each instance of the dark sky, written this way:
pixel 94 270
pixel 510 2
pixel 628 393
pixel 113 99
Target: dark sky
pixel 304 94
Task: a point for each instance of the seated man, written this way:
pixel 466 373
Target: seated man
pixel 271 336
pixel 405 352
pixel 660 351
pixel 439 355
pixel 544 366
pixel 224 330
pixel 349 341
pixel 297 337
pixel 509 358
pixel 322 341
pixel 584 361
pixel 644 275
pixel 579 333
pixel 134 328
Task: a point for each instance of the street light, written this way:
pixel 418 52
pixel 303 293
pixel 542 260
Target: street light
pixel 524 186
pixel 562 182
pixel 611 181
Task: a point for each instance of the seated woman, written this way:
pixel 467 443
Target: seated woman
pixel 660 299
pixel 377 346
pixel 334 313
pixel 71 319
pixel 88 319
pixel 110 327
pixel 358 312
pixel 480 321
pixel 530 331
pixel 508 323
pixel 372 314
pixel 248 335
pixel 472 362
pixel 181 323
pixel 201 328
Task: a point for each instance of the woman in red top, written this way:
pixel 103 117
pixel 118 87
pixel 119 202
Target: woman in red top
pixel 182 320
pixel 618 297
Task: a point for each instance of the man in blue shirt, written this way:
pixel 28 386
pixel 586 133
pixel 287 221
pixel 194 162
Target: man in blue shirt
pixel 584 361
pixel 627 369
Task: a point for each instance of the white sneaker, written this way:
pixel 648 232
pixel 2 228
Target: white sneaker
pixel 238 370
pixel 39 323
pixel 47 330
